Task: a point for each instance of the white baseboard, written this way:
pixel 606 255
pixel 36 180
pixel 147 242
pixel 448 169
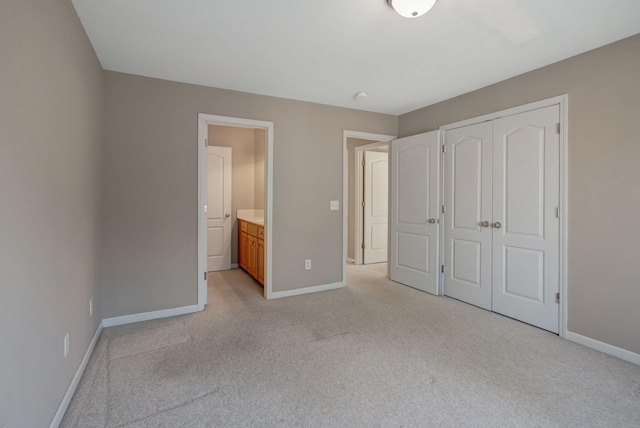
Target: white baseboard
pixel 606 348
pixel 351 261
pixel 306 290
pixel 235 265
pixel 146 316
pixel 64 404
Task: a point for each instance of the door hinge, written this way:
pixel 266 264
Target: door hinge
pixel 363 162
pixel 362 203
pixel 444 149
pixel 206 142
pixel 557 297
pixel 444 209
pixel 558 128
pixel 205 276
pixel 362 245
pixel 557 212
pixel 442 268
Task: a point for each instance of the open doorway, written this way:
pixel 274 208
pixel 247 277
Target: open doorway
pixel 366 198
pixel 247 146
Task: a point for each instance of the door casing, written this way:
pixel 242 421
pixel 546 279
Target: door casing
pixel 563 102
pixel 381 140
pixel 204 120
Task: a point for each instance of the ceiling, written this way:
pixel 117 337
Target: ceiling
pixel 326 51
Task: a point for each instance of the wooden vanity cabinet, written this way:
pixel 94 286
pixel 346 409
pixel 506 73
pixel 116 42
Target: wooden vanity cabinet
pixel 251 249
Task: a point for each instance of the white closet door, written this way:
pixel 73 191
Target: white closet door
pixel 376 206
pixel 468 205
pixel 525 228
pixel 414 211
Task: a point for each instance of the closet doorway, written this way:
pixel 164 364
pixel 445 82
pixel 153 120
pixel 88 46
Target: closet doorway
pixel 502 206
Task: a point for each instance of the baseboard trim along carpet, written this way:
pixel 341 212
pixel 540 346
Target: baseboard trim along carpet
pixel 605 348
pixel 146 316
pixel 64 404
pixel 306 290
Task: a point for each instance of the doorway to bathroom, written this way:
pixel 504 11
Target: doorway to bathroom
pixel 235 185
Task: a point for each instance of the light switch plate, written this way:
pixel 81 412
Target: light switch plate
pixel 335 205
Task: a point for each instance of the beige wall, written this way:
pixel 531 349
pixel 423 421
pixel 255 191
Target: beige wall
pixel 260 146
pixel 243 165
pixel 50 135
pixel 150 188
pixel 604 177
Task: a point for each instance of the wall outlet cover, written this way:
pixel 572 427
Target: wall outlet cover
pixel 66 344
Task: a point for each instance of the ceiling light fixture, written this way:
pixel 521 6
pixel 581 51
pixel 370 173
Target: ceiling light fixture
pixel 411 8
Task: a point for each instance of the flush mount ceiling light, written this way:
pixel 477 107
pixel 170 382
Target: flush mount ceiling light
pixel 411 8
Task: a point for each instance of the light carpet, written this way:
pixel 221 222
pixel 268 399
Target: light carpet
pixel 374 354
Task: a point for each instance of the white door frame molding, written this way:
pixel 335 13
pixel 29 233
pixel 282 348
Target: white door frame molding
pixel 563 102
pixel 381 140
pixel 204 120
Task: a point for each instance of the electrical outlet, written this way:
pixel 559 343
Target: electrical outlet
pixel 307 264
pixel 66 344
pixel 334 205
pixel 90 307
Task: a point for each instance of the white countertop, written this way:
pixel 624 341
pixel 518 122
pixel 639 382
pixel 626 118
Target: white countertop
pixel 252 216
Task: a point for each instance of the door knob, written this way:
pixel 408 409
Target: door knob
pixel 497 225
pixel 484 223
pixel 227 215
pixel 432 220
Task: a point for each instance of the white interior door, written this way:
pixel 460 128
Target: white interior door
pixel 218 208
pixel 376 206
pixel 414 211
pixel 467 218
pixel 526 181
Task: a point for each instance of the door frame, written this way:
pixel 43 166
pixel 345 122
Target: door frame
pixel 359 196
pixel 563 102
pixel 380 140
pixel 204 120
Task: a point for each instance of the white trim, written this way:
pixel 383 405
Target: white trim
pixel 235 265
pixel 563 102
pixel 346 134
pixel 351 261
pixel 307 290
pixel 204 120
pixel 146 316
pixel 64 404
pixel 603 347
pixel 564 213
pixel 560 99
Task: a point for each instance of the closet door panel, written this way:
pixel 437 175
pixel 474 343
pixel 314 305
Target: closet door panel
pixel 525 227
pixel 468 205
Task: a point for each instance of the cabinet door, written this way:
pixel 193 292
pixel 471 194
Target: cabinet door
pixel 243 248
pixel 252 267
pixel 260 261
